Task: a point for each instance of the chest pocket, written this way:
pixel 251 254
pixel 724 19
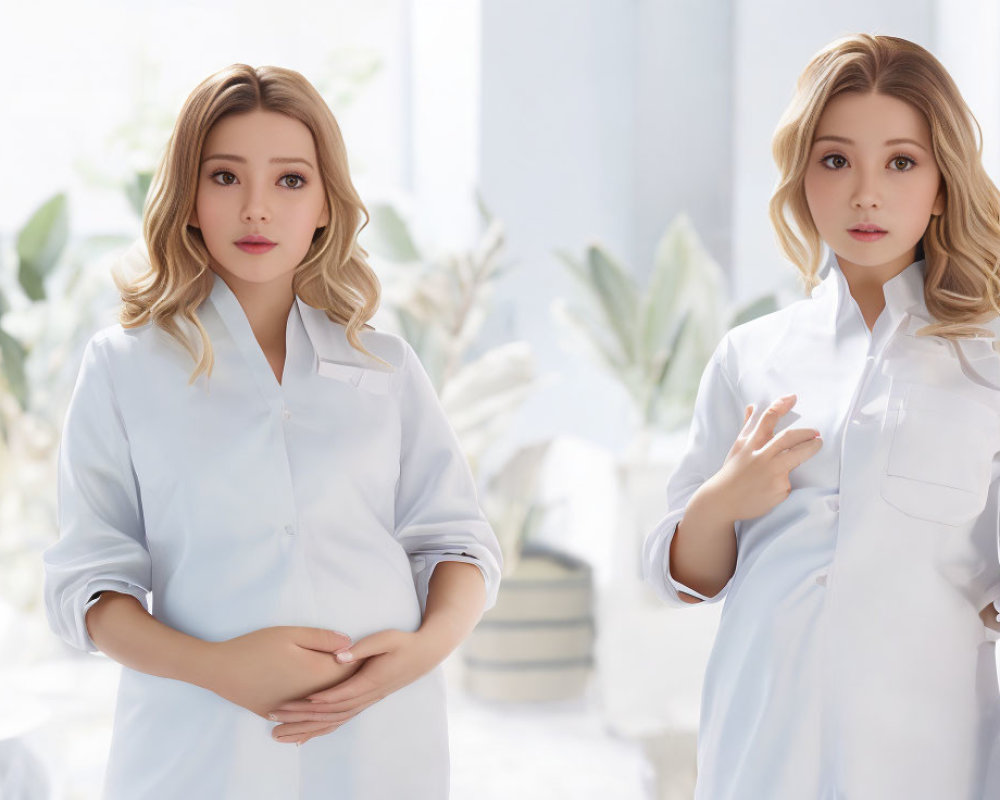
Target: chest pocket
pixel 940 456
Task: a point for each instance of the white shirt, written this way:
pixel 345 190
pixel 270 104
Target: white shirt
pixel 241 503
pixel 851 660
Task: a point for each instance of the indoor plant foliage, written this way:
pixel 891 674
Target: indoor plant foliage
pixel 46 306
pixel 656 341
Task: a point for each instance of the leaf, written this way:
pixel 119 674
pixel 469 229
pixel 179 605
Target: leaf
pixel 666 297
pixel 482 395
pixel 40 243
pixel 756 308
pixel 593 335
pixel 137 189
pixel 12 356
pixel 388 236
pixel 617 296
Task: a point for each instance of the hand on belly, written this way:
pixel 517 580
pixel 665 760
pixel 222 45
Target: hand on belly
pixel 266 668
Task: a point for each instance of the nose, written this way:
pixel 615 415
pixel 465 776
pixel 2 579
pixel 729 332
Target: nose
pixel 255 207
pixel 866 192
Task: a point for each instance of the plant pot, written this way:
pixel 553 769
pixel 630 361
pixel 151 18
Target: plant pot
pixel 536 643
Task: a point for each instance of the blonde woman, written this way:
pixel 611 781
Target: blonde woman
pixel 840 484
pixel 277 477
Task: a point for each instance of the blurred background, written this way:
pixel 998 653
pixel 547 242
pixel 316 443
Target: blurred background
pixel 568 203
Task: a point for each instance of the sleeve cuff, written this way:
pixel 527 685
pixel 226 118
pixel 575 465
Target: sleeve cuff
pixel 656 564
pixel 107 585
pixel 423 566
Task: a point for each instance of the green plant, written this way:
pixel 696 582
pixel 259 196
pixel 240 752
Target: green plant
pixel 655 341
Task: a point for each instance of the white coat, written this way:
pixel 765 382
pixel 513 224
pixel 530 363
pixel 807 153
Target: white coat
pixel 241 503
pixel 851 660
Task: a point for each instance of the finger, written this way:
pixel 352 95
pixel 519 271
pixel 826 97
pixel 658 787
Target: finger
pixel 765 425
pixel 302 740
pixel 376 644
pixel 325 641
pixel 794 456
pixel 349 703
pixel 314 715
pixel 788 439
pixel 291 730
pixel 355 686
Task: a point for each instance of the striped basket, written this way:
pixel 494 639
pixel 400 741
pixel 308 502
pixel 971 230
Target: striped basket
pixel 537 642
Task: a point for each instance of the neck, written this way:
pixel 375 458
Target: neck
pixel 266 305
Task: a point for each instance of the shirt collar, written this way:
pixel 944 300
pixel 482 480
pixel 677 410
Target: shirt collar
pixel 904 295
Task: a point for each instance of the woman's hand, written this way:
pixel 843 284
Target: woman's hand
pixel 268 667
pixel 754 477
pixel 391 660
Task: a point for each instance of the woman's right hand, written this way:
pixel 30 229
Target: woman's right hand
pixel 754 477
pixel 262 670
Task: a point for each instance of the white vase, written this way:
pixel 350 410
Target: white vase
pixel 536 643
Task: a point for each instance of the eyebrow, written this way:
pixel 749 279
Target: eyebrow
pixel 241 160
pixel 888 143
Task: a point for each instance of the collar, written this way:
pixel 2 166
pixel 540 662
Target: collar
pixel 904 296
pixel 328 338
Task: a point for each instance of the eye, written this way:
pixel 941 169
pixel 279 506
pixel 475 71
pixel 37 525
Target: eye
pixel 833 161
pixel 292 181
pixel 227 178
pixel 902 163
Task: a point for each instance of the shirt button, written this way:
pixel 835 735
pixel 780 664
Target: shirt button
pixel 289 530
pixel 833 503
pixel 821 580
pixel 286 414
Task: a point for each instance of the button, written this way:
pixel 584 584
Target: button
pixel 821 580
pixel 286 414
pixel 833 503
pixel 290 530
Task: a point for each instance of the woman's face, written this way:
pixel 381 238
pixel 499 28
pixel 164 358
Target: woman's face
pixel 259 181
pixel 872 182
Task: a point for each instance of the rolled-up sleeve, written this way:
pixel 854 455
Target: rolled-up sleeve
pixel 438 517
pixel 101 544
pixel 717 420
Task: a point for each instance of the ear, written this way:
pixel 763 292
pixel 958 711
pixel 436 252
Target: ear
pixel 324 216
pixel 938 208
pixel 193 219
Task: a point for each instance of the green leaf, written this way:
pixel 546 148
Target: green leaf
pixel 666 298
pixel 756 308
pixel 137 189
pixel 40 243
pixel 617 296
pixel 12 356
pixel 388 235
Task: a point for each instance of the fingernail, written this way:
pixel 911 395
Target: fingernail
pixel 342 657
pixel 272 717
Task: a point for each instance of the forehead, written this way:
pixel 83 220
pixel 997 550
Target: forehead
pixel 872 118
pixel 259 132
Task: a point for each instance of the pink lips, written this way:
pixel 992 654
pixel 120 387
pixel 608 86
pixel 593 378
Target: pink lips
pixel 255 244
pixel 867 232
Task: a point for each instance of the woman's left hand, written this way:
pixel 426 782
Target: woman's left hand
pixel 390 659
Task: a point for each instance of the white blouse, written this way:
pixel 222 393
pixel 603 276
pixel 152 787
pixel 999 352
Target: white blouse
pixel 239 503
pixel 851 660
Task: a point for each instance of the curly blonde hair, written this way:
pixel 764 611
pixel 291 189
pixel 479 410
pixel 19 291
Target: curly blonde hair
pixel 961 246
pixel 334 275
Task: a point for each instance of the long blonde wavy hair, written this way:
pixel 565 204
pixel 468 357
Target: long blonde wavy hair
pixel 334 275
pixel 962 245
